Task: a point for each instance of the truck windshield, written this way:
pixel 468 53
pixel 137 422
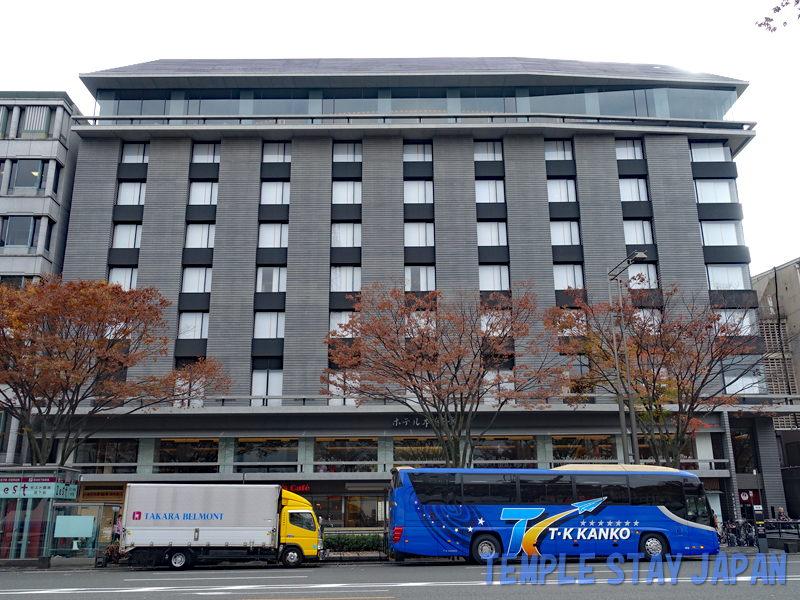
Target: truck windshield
pixel 303 519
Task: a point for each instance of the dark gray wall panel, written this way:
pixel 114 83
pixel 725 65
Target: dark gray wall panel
pixel 675 226
pixel 601 210
pixel 381 210
pixel 163 232
pixel 308 267
pixel 230 323
pixel 456 223
pixel 93 195
pixel 769 459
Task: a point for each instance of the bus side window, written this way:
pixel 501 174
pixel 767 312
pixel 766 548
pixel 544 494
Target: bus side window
pixel 613 487
pixel 489 488
pixel 545 489
pixel 434 488
pixel 658 490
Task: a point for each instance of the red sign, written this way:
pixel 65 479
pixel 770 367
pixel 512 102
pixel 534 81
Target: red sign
pixel 297 487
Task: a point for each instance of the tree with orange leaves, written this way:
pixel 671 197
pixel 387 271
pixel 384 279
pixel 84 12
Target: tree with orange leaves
pixel 444 359
pixel 686 359
pixel 65 354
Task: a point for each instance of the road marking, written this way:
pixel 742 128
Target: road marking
pixel 221 578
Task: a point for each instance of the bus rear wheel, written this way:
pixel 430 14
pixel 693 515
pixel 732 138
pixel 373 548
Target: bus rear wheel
pixel 484 544
pixel 651 544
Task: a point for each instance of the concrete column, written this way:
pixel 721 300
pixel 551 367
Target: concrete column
pixel 305 454
pixel 14 126
pixel 385 454
pixel 42 235
pixel 225 454
pixel 51 177
pixel 13 432
pixel 6 181
pixel 774 496
pixel 731 500
pixel 620 449
pixel 544 451
pixel 705 451
pixel 59 123
pixel 147 449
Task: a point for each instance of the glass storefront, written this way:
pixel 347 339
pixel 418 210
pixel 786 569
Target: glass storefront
pixel 104 456
pixel 186 452
pixel 417 452
pixel 83 530
pixel 584 447
pixel 280 454
pixel 332 455
pixel 505 449
pixel 349 511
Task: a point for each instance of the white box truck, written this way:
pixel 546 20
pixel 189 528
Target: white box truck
pixel 183 524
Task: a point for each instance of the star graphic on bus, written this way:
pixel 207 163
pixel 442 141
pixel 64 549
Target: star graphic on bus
pixel 481 521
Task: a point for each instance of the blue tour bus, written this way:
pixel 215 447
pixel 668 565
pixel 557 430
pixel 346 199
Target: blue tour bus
pixel 572 509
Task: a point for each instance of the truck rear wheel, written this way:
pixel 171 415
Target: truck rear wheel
pixel 292 557
pixel 179 559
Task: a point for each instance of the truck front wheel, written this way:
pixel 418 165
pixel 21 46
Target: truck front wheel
pixel 292 557
pixel 179 559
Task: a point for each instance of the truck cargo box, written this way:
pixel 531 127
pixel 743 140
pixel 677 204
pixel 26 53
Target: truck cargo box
pixel 200 515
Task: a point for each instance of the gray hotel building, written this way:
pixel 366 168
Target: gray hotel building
pixel 294 182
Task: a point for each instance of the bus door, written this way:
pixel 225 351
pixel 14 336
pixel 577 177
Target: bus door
pixel 698 511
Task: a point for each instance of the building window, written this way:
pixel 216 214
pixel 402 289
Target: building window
pixel 34 119
pixel 488 151
pixel 345 279
pixel 196 280
pixel 271 279
pixel 743 320
pixel 505 449
pixel 346 235
pixel 187 451
pixel 568 276
pixel 719 233
pixel 558 150
pixel 744 450
pixel 711 191
pixel 266 450
pixel 561 190
pixel 418 234
pixel 48 238
pixel 490 191
pixel 269 325
pixel 338 452
pixel 19 231
pixel 416 452
pixel 205 153
pixel 417 152
pixel 127 236
pixel 340 317
pixel 420 279
pixel 417 192
pixel 726 277
pixel 267 382
pixel 585 447
pixel 347 152
pixel 633 190
pixel 275 192
pixel 638 232
pixel 565 233
pixel 193 326
pixel 273 235
pixel 136 153
pixel 277 152
pixel 493 278
pixel 200 236
pixel 737 382
pixel 124 276
pixel 132 193
pixel 629 150
pixel 492 234
pixel 346 192
pixel 710 152
pixel 29 174
pixel 643 276
pixel 105 451
pixel 203 193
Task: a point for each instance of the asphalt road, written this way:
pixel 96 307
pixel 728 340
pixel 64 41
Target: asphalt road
pixel 377 581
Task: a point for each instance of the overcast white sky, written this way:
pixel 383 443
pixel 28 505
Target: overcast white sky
pixel 48 51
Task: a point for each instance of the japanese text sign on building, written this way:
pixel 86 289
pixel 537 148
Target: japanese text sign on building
pixel 37 487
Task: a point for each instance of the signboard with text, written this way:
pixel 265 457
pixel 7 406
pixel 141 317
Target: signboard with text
pixel 37 487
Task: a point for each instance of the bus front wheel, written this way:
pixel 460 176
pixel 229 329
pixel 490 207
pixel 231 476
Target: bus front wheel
pixel 651 544
pixel 484 544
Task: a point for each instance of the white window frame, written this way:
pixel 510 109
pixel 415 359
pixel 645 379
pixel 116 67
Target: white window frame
pixel 345 235
pixel 347 152
pixel 727 277
pixel 743 318
pixel 131 193
pixel 193 326
pixel 490 191
pixel 275 192
pixel 568 276
pixel 196 280
pixel 277 152
pixel 269 325
pixel 710 152
pixel 203 193
pixel 266 382
pixel 340 317
pixel 488 151
pixel 558 150
pixel 493 278
pixel 124 276
pixel 278 279
pixel 418 235
pixel 629 150
pixel 345 279
pixel 561 190
pixel 418 192
pixel 206 152
pixel 127 235
pixel 273 235
pixel 720 233
pixel 492 233
pixel 638 232
pixel 417 152
pixel 136 153
pixel 646 270
pixel 200 233
pixel 633 190
pixel 714 191
pixel 423 278
pixel 565 233
pixel 346 192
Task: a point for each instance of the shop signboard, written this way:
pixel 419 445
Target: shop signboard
pixel 37 487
